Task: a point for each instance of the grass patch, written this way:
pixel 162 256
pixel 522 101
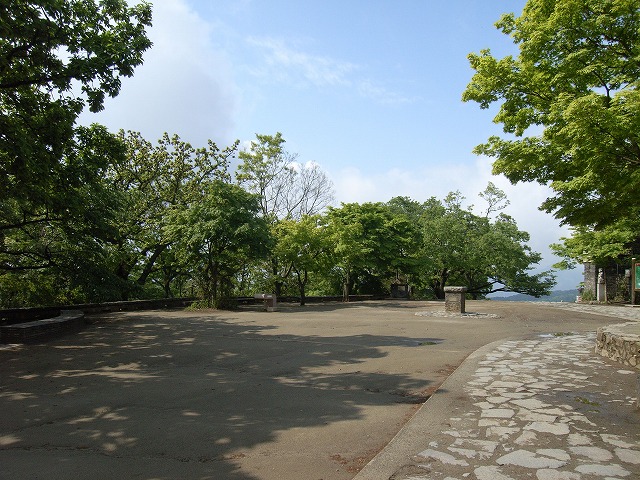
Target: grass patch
pixel 586 401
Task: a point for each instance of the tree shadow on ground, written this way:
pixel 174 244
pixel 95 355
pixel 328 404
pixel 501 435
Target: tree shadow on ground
pixel 185 392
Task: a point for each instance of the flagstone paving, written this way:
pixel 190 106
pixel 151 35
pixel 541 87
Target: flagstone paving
pixel 537 408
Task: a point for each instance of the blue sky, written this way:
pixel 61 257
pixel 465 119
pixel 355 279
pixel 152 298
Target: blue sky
pixel 370 90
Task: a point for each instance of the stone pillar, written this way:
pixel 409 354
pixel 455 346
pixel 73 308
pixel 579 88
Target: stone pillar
pixel 454 299
pixel 602 287
pixel 590 278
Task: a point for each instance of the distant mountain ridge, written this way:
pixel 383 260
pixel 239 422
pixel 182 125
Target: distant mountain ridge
pixel 556 296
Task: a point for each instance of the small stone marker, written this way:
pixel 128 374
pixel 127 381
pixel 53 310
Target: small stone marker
pixel 601 291
pixel 270 302
pixel 454 299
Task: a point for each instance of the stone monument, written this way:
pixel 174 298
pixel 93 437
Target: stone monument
pixel 454 299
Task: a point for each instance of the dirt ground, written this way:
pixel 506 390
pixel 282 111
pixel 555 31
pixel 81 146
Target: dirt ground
pixel 303 393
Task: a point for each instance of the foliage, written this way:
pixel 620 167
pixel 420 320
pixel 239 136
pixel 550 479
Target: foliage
pixel 304 248
pixel 216 236
pixel 151 181
pixel 485 255
pixel 65 235
pixel 55 208
pixel 48 54
pixel 576 81
pixel 286 188
pixel 596 246
pixel 370 242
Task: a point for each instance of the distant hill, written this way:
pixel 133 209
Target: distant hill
pixel 556 296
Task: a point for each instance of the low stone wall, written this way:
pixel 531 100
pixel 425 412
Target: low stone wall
pixel 620 343
pixel 19 315
pixel 35 330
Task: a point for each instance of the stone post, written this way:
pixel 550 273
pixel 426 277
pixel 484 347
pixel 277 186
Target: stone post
pixel 590 278
pixel 634 281
pixel 270 301
pixel 454 299
pixel 602 287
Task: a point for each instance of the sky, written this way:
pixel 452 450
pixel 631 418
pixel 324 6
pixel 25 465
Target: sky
pixel 369 90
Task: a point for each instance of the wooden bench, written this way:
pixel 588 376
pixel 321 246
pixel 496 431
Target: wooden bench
pixel 34 330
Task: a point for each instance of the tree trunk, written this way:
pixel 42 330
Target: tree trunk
pixel 277 283
pixel 440 283
pixel 278 288
pixel 345 287
pixel 302 282
pixel 148 268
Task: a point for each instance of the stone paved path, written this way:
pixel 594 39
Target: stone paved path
pixel 617 311
pixel 536 409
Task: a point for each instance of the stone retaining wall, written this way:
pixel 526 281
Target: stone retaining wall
pixel 617 343
pixel 36 330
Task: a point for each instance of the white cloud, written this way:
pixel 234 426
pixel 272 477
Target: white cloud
pixel 287 64
pixel 366 88
pixel 185 85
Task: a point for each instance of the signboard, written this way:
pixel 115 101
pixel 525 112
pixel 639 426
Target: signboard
pixel 637 275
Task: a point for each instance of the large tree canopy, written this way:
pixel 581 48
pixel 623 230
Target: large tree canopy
pixel 371 241
pixel 55 58
pixel 570 106
pixel 486 255
pixel 55 206
pixel 217 236
pixel 287 189
pixel 151 181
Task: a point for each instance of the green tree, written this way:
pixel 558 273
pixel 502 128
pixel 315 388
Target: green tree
pixel 217 236
pixel 304 247
pixel 61 243
pixel 370 242
pixel 49 52
pixel 151 181
pixel 501 261
pixel 286 188
pixel 486 255
pixel 602 246
pixel 446 230
pixel 576 81
pixel 56 58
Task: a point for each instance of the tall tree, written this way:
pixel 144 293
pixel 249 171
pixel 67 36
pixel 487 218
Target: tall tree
pixel 576 81
pixel 371 241
pixel 486 255
pixel 152 180
pixel 217 236
pixel 286 188
pixel 55 59
pixel 304 247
